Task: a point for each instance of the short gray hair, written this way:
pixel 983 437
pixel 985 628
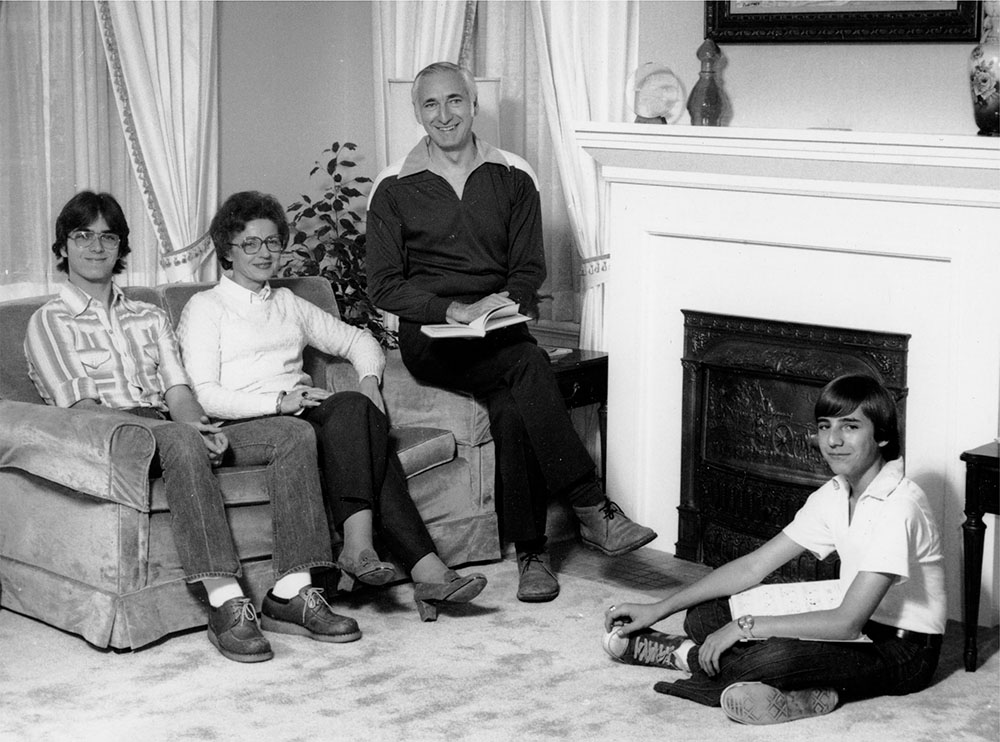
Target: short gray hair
pixel 467 78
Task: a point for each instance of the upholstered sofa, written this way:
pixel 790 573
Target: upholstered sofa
pixel 85 541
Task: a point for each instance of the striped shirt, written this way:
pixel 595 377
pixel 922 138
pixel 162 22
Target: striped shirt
pixel 125 357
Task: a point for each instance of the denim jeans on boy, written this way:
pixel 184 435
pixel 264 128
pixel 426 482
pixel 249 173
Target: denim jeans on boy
pixel 287 448
pixel 888 667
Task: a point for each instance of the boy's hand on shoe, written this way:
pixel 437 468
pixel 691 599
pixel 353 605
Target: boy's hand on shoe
pixel 630 617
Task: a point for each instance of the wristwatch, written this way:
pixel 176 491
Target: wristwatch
pixel 745 624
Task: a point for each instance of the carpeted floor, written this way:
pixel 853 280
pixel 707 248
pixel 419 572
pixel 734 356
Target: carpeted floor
pixel 495 670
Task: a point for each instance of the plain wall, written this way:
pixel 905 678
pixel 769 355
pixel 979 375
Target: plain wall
pixel 906 87
pixel 294 77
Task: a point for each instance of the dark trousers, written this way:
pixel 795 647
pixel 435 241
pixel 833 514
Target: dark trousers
pixel 885 667
pixel 538 452
pixel 361 471
pixel 198 521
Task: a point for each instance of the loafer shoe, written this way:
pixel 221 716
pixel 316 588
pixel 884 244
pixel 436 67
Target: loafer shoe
pixel 233 630
pixel 367 569
pixel 647 647
pixel 606 528
pixel 307 614
pixel 758 703
pixel 537 582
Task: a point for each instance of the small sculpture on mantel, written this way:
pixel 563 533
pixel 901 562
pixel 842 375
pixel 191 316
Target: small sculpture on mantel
pixel 707 102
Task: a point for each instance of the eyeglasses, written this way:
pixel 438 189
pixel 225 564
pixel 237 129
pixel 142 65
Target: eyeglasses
pixel 85 238
pixel 252 245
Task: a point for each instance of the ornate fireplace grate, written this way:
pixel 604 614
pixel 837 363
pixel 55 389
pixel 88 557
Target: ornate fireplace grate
pixel 748 456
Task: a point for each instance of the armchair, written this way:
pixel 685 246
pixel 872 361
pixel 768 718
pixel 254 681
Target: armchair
pixel 85 542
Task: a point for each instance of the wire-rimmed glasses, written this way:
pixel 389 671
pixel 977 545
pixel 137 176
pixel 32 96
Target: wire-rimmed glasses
pixel 88 238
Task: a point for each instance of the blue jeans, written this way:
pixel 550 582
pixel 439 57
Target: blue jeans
pixel 888 667
pixel 287 448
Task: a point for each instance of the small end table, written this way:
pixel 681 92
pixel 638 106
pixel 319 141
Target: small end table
pixel 982 495
pixel 582 376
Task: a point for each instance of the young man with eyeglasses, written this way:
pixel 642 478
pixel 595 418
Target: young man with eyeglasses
pixel 93 348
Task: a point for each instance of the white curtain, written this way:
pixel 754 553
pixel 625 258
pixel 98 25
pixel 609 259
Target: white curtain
pixel 163 60
pixel 59 134
pixel 585 54
pixel 406 37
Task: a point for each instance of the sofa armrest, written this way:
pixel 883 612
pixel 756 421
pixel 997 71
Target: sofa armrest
pixel 103 454
pixel 412 403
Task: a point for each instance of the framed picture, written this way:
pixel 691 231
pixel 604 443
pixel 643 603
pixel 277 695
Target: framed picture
pixel 787 21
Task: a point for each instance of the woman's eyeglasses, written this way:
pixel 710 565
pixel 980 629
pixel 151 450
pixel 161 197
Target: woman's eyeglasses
pixel 87 238
pixel 252 245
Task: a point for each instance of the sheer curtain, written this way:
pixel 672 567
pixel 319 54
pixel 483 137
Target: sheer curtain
pixel 585 53
pixel 406 37
pixel 59 134
pixel 163 60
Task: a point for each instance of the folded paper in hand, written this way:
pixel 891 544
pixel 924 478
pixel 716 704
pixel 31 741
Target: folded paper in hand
pixel 502 316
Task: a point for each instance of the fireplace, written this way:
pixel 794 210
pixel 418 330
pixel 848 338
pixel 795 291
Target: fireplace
pixel 889 232
pixel 748 459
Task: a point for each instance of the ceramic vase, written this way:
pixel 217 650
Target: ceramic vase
pixel 984 74
pixel 707 101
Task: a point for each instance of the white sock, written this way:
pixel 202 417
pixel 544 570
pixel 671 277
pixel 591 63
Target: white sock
pixel 681 654
pixel 288 586
pixel 221 589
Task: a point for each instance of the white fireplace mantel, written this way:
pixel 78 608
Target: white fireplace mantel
pixel 884 232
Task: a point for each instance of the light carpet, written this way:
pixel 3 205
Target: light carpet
pixel 494 670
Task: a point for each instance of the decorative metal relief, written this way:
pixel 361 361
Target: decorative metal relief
pixel 749 458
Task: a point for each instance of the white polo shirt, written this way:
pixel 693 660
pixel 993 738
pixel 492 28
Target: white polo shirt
pixel 893 531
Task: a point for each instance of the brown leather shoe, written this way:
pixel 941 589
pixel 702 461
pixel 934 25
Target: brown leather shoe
pixel 537 582
pixel 309 615
pixel 606 528
pixel 233 630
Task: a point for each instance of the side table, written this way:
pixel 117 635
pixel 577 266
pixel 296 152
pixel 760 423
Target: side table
pixel 982 495
pixel 582 376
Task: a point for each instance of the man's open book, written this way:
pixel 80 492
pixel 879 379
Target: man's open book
pixel 502 316
pixel 790 597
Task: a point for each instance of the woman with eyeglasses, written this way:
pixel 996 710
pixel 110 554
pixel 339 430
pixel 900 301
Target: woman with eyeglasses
pixel 242 344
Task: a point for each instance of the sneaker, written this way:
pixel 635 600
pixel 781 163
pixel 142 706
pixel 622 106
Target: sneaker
pixel 647 647
pixel 307 614
pixel 757 703
pixel 537 582
pixel 233 630
pixel 606 528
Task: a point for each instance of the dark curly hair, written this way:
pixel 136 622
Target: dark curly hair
pixel 236 212
pixel 845 394
pixel 80 212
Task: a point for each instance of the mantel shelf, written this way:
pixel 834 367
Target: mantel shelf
pixel 642 152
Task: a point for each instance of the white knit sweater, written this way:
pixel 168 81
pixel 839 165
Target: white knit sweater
pixel 241 349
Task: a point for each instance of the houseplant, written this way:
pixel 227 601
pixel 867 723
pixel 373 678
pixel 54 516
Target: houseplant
pixel 328 239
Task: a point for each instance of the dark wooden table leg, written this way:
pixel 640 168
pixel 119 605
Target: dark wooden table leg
pixel 602 417
pixel 973 536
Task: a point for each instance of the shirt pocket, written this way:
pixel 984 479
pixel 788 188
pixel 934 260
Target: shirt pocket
pixel 94 359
